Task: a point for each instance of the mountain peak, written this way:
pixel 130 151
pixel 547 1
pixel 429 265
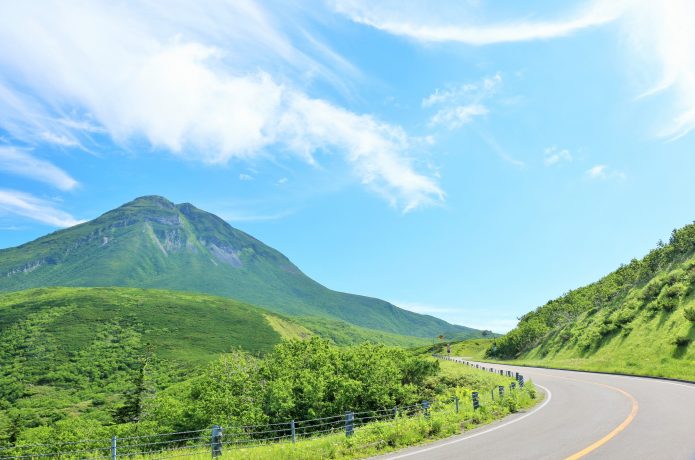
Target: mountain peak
pixel 151 242
pixel 151 200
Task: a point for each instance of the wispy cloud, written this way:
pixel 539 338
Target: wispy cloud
pixel 186 78
pixel 658 35
pixel 455 117
pixel 20 162
pixel 603 172
pixel 245 177
pixel 461 104
pixel 554 155
pixel 17 203
pixel 420 24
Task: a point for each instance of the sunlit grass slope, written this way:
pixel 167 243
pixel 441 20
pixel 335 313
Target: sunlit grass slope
pixel 639 319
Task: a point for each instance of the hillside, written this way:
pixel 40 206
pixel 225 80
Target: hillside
pixel 77 351
pixel 153 243
pixel 640 319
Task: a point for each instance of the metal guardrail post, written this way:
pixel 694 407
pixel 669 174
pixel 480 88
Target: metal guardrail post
pixel 501 389
pixel 114 453
pixel 426 408
pixel 456 402
pixel 216 441
pixel 476 401
pixel 294 433
pixel 395 411
pixel 349 424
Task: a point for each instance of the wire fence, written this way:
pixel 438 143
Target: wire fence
pixel 212 441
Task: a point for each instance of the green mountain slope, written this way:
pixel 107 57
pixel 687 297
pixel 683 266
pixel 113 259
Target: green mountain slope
pixel 153 243
pixel 635 320
pixel 70 351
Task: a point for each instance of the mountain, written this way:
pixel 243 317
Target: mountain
pixel 154 243
pixel 639 319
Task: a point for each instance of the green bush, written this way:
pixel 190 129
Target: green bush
pixel 671 295
pixel 689 314
pixel 681 341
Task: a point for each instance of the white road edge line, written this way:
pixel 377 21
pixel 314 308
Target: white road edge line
pixel 549 396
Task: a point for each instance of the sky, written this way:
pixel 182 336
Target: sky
pixel 466 159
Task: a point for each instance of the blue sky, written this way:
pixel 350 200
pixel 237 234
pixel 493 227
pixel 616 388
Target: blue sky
pixel 470 159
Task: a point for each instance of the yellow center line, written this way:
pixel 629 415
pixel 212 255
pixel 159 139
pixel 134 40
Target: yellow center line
pixel 624 424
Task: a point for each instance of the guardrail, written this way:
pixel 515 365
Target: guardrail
pixel 217 439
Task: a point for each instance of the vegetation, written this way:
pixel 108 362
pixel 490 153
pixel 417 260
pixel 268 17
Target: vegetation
pixel 301 379
pixel 636 320
pixel 153 243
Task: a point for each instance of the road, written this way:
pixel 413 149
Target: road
pixel 583 415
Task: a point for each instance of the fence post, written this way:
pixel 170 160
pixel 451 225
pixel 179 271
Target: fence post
pixel 456 401
pixel 395 411
pixel 501 388
pixel 349 424
pixel 492 392
pixel 476 401
pixel 521 381
pixel 294 433
pixel 426 408
pixel 512 386
pixel 113 448
pixel 216 441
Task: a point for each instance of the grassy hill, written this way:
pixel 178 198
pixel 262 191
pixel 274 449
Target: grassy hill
pixel 77 351
pixel 640 319
pixel 153 243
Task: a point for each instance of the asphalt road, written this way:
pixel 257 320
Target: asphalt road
pixel 584 415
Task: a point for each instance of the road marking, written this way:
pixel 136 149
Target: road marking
pixel 549 396
pixel 617 430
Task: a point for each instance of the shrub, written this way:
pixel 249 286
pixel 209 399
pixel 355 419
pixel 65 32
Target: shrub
pixel 671 295
pixel 681 340
pixel 689 314
pixel 651 291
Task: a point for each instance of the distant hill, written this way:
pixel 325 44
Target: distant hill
pixel 153 243
pixel 78 350
pixel 640 319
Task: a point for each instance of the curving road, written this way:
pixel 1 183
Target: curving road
pixel 584 415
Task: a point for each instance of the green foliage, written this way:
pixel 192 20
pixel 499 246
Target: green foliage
pixel 590 315
pixel 689 314
pixel 153 243
pixel 628 321
pixel 101 353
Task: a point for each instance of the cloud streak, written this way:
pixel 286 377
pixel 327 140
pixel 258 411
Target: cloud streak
pixel 404 22
pixel 21 163
pixel 187 79
pixel 26 205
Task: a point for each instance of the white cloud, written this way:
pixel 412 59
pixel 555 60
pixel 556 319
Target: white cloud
pixel 31 207
pixel 460 104
pixel 455 117
pixel 245 177
pixel 20 162
pixel 417 22
pixel 603 172
pixel 554 155
pixel 185 77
